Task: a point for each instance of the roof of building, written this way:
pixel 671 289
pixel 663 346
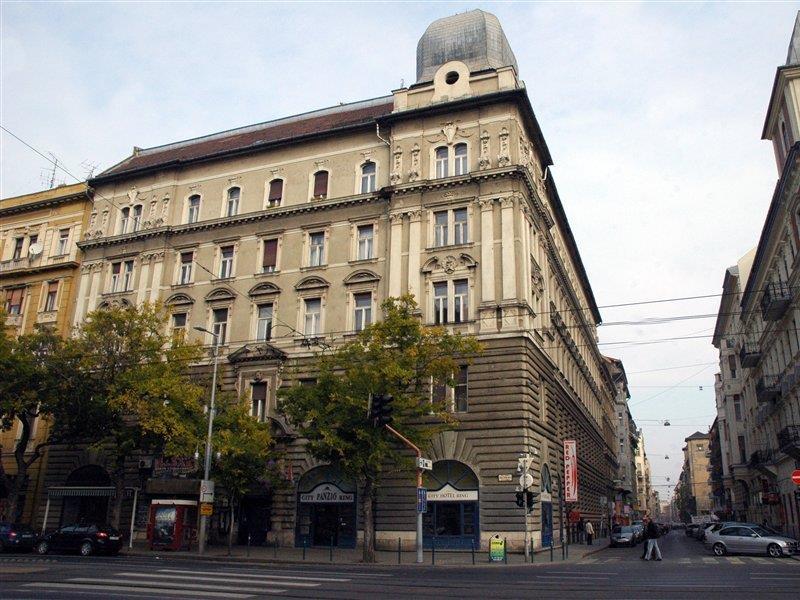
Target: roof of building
pixel 696 436
pixel 232 141
pixel 36 200
pixel 793 55
pixel 475 38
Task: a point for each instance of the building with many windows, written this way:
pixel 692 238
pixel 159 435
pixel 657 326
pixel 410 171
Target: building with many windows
pixel 283 237
pixel 39 270
pixel 625 484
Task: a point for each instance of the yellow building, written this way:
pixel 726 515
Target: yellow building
pixel 39 262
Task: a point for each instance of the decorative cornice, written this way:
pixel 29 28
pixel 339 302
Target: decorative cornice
pixel 82 196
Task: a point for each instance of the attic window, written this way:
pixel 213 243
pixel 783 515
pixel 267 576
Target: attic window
pixel 451 78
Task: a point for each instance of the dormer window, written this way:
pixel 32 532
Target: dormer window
pixel 442 162
pixel 321 184
pixel 368 171
pixel 232 205
pixel 275 195
pixel 193 215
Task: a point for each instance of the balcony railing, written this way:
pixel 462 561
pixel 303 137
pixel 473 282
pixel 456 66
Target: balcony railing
pixel 789 440
pixel 768 388
pixel 47 316
pixel 775 301
pixel 24 262
pixel 14 320
pixel 761 457
pixel 749 355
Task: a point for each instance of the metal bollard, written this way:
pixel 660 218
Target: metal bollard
pixel 399 551
pixel 305 541
pixel 275 548
pixel 505 550
pixel 551 550
pixel 248 545
pixel 532 554
pixel 473 552
pixel 563 551
pixel 331 548
pixel 433 551
pixel 566 546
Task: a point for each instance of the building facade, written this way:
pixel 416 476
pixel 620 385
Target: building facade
pixel 39 270
pixel 285 237
pixel 625 485
pixel 695 476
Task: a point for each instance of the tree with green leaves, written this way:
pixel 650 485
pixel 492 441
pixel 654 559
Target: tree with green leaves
pixel 143 394
pixel 396 355
pixel 247 455
pixel 40 389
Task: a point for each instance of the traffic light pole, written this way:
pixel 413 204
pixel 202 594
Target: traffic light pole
pixel 525 474
pixel 408 443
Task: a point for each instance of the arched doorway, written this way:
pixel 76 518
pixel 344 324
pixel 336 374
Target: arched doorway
pixel 452 517
pixel 326 509
pixel 546 497
pixel 86 507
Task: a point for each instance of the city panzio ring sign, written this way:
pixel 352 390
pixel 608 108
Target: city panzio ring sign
pixel 570 471
pixel 326 493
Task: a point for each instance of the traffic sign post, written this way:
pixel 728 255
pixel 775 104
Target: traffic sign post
pixel 422 500
pixel 525 482
pixel 796 477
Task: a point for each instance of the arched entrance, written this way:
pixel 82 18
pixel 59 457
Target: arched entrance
pixel 86 508
pixel 452 517
pixel 326 509
pixel 546 497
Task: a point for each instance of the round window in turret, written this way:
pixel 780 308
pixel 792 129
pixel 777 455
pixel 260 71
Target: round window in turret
pixel 451 77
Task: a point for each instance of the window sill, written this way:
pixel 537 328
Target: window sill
pixel 363 261
pixel 116 293
pixel 268 273
pixel 450 246
pixel 313 267
pixel 223 279
pixel 310 341
pixel 176 286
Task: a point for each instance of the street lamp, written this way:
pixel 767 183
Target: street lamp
pixel 201 538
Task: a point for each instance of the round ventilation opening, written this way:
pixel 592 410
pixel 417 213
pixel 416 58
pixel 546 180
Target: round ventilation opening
pixel 451 77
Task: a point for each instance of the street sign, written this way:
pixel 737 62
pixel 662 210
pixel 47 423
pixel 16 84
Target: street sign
pixel 505 477
pixel 206 490
pixel 796 477
pixel 422 500
pixel 497 549
pixel 426 464
pixel 206 509
pixel 525 481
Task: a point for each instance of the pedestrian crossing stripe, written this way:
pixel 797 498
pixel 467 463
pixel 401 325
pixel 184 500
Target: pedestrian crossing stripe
pixel 735 561
pixel 710 560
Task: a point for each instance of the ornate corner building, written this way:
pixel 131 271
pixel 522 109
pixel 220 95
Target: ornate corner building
pixel 285 236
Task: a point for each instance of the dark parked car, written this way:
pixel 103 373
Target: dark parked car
pixel 623 535
pixel 84 539
pixel 14 536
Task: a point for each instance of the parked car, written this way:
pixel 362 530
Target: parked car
pixel 700 533
pixel 89 539
pixel 638 526
pixel 749 539
pixel 16 536
pixel 691 528
pixel 623 535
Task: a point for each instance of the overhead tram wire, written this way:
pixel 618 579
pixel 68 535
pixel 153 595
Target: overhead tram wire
pixel 654 396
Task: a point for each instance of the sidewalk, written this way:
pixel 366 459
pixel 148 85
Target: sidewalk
pixel 343 556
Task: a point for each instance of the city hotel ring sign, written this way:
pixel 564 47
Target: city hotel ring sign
pixel 326 493
pixel 448 493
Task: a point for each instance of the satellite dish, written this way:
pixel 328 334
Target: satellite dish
pixel 35 250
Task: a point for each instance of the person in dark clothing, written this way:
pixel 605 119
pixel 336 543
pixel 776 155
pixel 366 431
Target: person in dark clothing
pixel 644 540
pixel 653 533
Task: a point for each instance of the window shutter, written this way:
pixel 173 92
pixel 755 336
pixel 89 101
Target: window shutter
pixel 186 257
pixel 276 190
pixel 259 392
pixel 52 287
pixel 270 253
pixel 321 183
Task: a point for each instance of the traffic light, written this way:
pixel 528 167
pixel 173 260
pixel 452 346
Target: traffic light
pixel 380 413
pixel 530 498
pixel 520 500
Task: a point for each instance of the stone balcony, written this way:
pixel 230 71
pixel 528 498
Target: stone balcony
pixel 47 316
pixel 13 320
pixel 775 301
pixel 749 355
pixel 768 388
pixel 789 441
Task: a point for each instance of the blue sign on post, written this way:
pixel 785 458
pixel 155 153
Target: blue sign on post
pixel 422 500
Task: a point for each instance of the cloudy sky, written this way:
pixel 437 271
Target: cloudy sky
pixel 652 112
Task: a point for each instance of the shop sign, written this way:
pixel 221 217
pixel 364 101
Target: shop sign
pixel 175 466
pixel 504 477
pixel 450 494
pixel 497 549
pixel 570 471
pixel 326 493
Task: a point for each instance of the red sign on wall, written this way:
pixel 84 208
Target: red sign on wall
pixel 796 476
pixel 570 471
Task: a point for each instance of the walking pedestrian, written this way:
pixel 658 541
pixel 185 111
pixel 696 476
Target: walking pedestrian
pixel 589 533
pixel 645 522
pixel 653 533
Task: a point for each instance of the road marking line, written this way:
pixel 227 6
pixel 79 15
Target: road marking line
pixel 579 573
pixel 257 575
pixel 735 561
pixel 197 587
pixel 765 578
pixel 685 561
pixel 709 561
pixel 196 577
pixel 582 578
pixel 124 588
pixel 589 561
pixel 761 561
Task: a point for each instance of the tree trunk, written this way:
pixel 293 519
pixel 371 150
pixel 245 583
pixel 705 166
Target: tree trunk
pixel 369 521
pixel 19 484
pixel 119 491
pixel 230 526
pixel 19 481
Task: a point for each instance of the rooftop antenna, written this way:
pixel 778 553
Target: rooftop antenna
pixel 88 168
pixel 52 179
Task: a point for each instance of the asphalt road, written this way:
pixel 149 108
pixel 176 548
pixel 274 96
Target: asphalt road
pixel 687 571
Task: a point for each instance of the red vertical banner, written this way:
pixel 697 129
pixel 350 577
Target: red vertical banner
pixel 570 471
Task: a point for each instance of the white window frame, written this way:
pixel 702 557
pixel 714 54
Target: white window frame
pixel 223 325
pixel 441 164
pixel 368 182
pixel 259 413
pixel 369 242
pixel 190 210
pixel 460 228
pixel 136 219
pixel 124 219
pixel 127 275
pixel 63 242
pixel 263 241
pixel 271 321
pixel 362 315
pixel 450 299
pixel 461 301
pixel 46 307
pixel 316 318
pixel 440 309
pixel 188 271
pixel 268 186
pixel 316 258
pixel 222 271
pixel 435 235
pixel 441 232
pixel 226 204
pixel 176 331
pixel 460 163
